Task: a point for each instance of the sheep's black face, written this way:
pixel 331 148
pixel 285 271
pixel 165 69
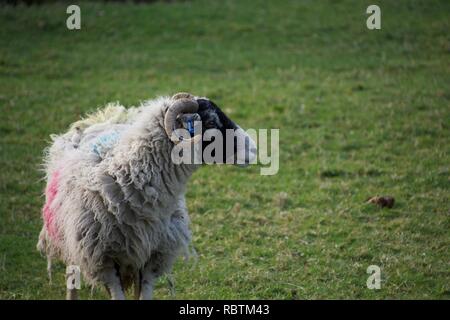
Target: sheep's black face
pixel 213 118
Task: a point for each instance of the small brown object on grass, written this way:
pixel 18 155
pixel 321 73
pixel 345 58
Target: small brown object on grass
pixel 383 202
pixel 281 199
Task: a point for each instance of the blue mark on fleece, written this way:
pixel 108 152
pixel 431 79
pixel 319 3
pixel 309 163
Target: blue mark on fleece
pixel 104 142
pixel 190 126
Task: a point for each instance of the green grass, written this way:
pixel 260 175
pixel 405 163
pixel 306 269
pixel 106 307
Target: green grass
pixel 360 113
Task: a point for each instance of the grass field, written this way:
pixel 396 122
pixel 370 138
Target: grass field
pixel 360 113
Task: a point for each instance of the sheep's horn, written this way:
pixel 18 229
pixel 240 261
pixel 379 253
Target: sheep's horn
pixel 181 95
pixel 183 103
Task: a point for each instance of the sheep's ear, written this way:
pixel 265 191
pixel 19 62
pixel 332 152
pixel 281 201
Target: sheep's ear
pixel 181 95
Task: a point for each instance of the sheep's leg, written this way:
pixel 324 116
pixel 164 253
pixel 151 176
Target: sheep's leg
pixel 72 294
pixel 158 265
pixel 137 285
pixel 49 269
pixel 171 283
pixel 147 282
pixel 72 291
pixel 111 279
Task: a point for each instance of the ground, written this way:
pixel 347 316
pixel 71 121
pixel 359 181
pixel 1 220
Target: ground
pixel 360 113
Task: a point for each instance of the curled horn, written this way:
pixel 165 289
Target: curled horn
pixel 182 103
pixel 181 95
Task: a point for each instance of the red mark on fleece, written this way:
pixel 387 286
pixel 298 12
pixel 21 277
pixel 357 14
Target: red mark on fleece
pixel 48 211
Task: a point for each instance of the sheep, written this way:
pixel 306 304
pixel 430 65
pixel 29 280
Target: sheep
pixel 115 201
